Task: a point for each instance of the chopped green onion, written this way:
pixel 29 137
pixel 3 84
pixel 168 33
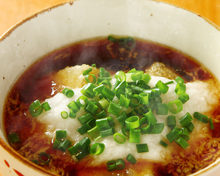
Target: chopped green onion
pixel 56 143
pixel 68 92
pixel 173 134
pixel 107 93
pixel 201 117
pixel 157 128
pixel 135 136
pixel 103 124
pixel 171 121
pixel 132 122
pixel 93 65
pixel 162 86
pixel 73 106
pixel 35 108
pixel 182 142
pixel 91 107
pixel 164 144
pixel 146 129
pixel 179 80
pixel 46 106
pixel 103 72
pixel 101 114
pixel 146 78
pixel 185 120
pixel 175 106
pixel 135 100
pixel 82 101
pixel 87 126
pixel 141 148
pixel 211 124
pixel 120 164
pixel 184 97
pixel 111 165
pixel 61 135
pixel 64 145
pixel 120 88
pixel 104 103
pixel 86 72
pixel 162 109
pixel 72 114
pixel 114 108
pixel 97 148
pixel 94 132
pixel 98 89
pixel 13 138
pixel 64 114
pixel 121 118
pixel 190 127
pixel 80 149
pixel 120 76
pixel 136 76
pixel 131 159
pixel 144 99
pixel 150 118
pixel 169 82
pixel 87 90
pixel 108 132
pixel 44 158
pixel 90 78
pixel 119 138
pixel 124 101
pixel 180 88
pixel 85 118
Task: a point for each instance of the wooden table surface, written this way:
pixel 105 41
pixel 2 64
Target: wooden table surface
pixel 13 11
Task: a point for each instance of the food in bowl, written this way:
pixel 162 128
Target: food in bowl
pixel 115 105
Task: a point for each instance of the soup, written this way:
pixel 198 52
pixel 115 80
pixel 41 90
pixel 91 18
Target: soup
pixel 115 106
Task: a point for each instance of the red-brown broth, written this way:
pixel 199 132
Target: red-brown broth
pixel 37 83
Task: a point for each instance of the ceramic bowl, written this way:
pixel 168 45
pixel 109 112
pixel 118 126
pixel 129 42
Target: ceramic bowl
pixel 68 23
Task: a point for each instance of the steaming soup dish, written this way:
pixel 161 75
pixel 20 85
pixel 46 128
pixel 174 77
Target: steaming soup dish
pixel 115 106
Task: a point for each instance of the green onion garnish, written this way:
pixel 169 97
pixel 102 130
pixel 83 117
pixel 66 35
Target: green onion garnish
pixel 86 72
pixel 175 106
pixel 185 120
pixel 124 101
pixel 201 117
pixel 135 136
pixel 68 92
pixel 162 109
pixel 119 138
pixel 164 144
pixel 90 78
pixel 171 121
pixel 162 86
pixel 46 106
pixel 132 122
pixel 13 138
pixel 211 124
pixel 141 148
pixel 35 108
pixel 173 134
pixel 182 142
pixel 97 148
pixel 61 134
pixel 91 107
pixel 131 159
pixel 64 114
pixel 114 108
pixel 44 158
